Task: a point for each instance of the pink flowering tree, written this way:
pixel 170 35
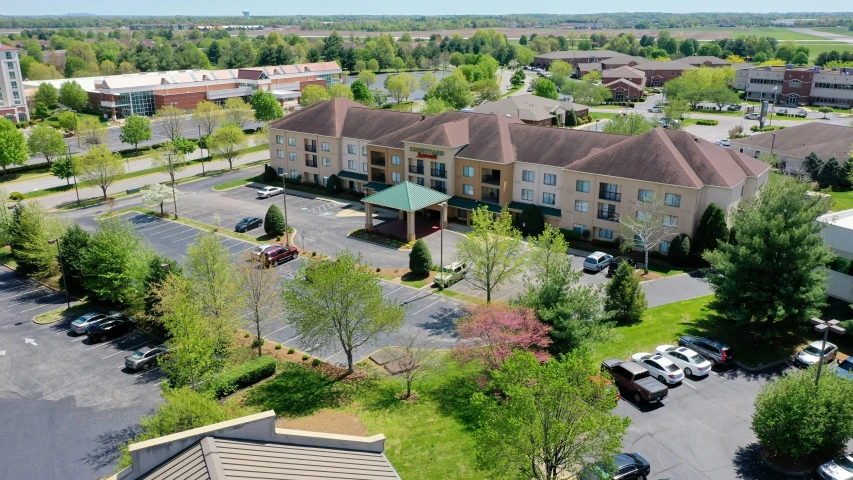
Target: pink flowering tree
pixel 492 332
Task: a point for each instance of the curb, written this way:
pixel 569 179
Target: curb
pixel 789 473
pixel 377 244
pixel 74 299
pixel 762 368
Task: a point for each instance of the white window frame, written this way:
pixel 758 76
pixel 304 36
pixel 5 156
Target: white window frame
pixel 578 183
pixel 546 176
pixel 395 177
pixel 528 176
pixel 468 189
pixel 351 149
pixel 468 169
pixel 324 146
pixel 352 165
pixel 527 194
pixel 395 160
pixel 279 139
pixel 553 197
pixel 327 162
pixel 581 206
pixel 291 141
pixel 279 154
pixel 292 156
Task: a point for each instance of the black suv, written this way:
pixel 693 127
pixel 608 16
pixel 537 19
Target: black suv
pixel 248 223
pixel 614 265
pixel 112 328
pixel 718 353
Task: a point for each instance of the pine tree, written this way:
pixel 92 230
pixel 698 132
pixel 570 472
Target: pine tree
pixel 333 184
pixel 812 165
pixel 829 173
pixel 624 299
pixel 274 223
pixel 679 250
pixel 572 119
pixel 420 260
pixel 711 231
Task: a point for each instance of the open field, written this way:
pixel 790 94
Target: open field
pixel 716 33
pixel 835 30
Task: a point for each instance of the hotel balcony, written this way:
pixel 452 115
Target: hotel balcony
pixel 491 177
pixel 438 172
pixel 418 169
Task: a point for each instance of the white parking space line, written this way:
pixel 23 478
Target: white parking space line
pixel 18 295
pixel 431 304
pixel 185 238
pixel 145 371
pixel 685 382
pixel 27 284
pixel 159 224
pixel 414 297
pixel 241 251
pixel 331 356
pixel 79 337
pixel 131 349
pixel 392 291
pixel 44 305
pixel 280 329
pixel 167 224
pixel 176 234
pixel 47 294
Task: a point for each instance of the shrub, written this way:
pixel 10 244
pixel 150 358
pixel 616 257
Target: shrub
pixel 17 196
pixel 315 362
pixel 240 376
pixel 679 250
pixel 420 258
pixel 530 221
pixel 269 174
pixel 708 123
pixel 755 128
pixel 570 235
pixel 274 221
pixel 278 346
pixel 246 335
pixel 291 351
pixel 305 357
pixel 333 184
pixel 796 419
pixel 625 300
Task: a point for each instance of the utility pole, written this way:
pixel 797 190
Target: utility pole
pixel 174 196
pixel 74 173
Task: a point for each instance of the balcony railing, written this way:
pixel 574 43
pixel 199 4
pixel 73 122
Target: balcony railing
pixel 419 169
pixel 438 172
pixel 379 162
pixel 310 163
pixel 612 196
pixel 608 215
pixel 491 180
pixel 489 197
pixel 440 189
pixel 378 178
pixel 311 148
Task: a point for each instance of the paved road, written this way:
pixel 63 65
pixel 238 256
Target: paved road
pixel 835 37
pixel 65 405
pixel 189 129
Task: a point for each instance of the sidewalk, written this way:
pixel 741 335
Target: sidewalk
pixel 130 165
pixel 51 201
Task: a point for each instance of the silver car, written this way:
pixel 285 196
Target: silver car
pixel 811 354
pixel 839 468
pixel 145 358
pixel 81 324
pixel 268 192
pixel 597 261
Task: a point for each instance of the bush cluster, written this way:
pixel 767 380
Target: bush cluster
pixel 755 128
pixel 707 123
pixel 240 376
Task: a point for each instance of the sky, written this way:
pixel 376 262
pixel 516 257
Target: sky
pixel 398 7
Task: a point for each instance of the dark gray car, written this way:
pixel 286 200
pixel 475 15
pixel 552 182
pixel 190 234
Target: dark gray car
pixel 716 352
pixel 81 324
pixel 145 357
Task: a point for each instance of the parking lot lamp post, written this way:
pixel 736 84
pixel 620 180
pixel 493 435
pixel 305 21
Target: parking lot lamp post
pixel 824 327
pixel 772 144
pixel 174 197
pixel 284 199
pixel 200 150
pixel 73 172
pixel 62 269
pixel 443 206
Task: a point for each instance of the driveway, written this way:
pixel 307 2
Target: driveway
pixel 65 405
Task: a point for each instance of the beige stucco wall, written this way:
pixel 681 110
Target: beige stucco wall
pixel 538 185
pixel 299 165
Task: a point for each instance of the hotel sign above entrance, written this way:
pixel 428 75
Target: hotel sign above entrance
pixel 426 152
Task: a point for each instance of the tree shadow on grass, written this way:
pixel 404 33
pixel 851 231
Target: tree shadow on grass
pixel 452 393
pixel 297 391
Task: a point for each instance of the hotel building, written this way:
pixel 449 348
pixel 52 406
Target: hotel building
pixel 13 103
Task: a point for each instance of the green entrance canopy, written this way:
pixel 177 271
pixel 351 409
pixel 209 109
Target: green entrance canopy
pixel 406 196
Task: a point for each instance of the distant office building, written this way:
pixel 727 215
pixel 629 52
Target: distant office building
pixel 143 94
pixel 13 102
pixel 790 85
pixel 246 15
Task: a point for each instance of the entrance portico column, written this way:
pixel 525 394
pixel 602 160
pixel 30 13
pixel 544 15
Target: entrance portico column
pixel 402 214
pixel 410 227
pixel 368 217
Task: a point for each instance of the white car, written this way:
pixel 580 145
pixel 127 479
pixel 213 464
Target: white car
pixel 691 362
pixel 268 192
pixel 725 143
pixel 839 468
pixel 659 367
pixel 597 261
pixel 656 109
pixel 752 116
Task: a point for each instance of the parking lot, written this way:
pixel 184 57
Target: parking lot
pixel 61 394
pixel 427 312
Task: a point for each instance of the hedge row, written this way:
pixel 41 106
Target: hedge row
pixel 239 377
pixel 707 123
pixel 755 128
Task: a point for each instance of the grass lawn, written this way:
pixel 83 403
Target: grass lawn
pixel 778 33
pixel 841 200
pixel 602 115
pixel 817 49
pixel 6 257
pixel 63 313
pixel 511 91
pixel 426 439
pixel 461 297
pixel 233 184
pixel 666 323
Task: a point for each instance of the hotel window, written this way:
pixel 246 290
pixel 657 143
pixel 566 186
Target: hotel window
pixel 605 234
pixel 364 167
pixel 528 176
pixel 527 194
pixel 10 65
pixel 673 200
pixel 281 171
pixel 293 156
pixel 468 189
pixel 395 176
pixel 324 146
pixel 8 55
pixel 550 179
pixel 325 180
pixel 582 186
pixel 664 246
pixel 15 94
pixel 294 174
pixel 395 160
pixel 363 151
pixel 279 153
pixel 670 220
pixel 548 198
pixel 291 141
pixel 279 139
pixel 468 172
pixel 577 227
pixel 352 165
pixel 351 149
pixel 327 162
pixel 581 206
pixel 795 83
pixel 645 195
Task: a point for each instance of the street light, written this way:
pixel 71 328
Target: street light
pixel 201 150
pixel 73 172
pixel 772 144
pixel 174 197
pixel 825 327
pixel 441 215
pixel 284 199
pixel 62 269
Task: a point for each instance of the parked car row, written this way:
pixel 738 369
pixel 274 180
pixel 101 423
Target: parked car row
pixel 100 326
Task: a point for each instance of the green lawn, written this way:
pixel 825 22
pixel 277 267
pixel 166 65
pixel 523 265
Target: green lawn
pixel 233 184
pixel 817 49
pixel 664 324
pixel 841 200
pixel 778 33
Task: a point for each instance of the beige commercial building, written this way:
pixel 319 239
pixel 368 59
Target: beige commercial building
pixel 579 180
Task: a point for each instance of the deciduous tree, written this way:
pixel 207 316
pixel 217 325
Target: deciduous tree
pixel 238 112
pixel 648 223
pixel 769 278
pixel 339 90
pixel 546 88
pixel 100 166
pixel 208 116
pixel 72 245
pixel 158 194
pixel 631 124
pixel 416 358
pixel 367 77
pixel 490 333
pixel 91 131
pixel 47 142
pixel 266 106
pixel 13 145
pixel 47 94
pixel 260 294
pixel 135 130
pixel 361 93
pixel 313 94
pixel 72 95
pixel 452 89
pixel 116 262
pixel 340 302
pixel 63 168
pixel 170 119
pixel 227 142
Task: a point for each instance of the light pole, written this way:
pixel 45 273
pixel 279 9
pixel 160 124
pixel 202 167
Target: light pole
pixel 596 125
pixel 824 327
pixel 201 150
pixel 174 197
pixel 441 215
pixel 284 199
pixel 62 269
pixel 74 173
pixel 772 144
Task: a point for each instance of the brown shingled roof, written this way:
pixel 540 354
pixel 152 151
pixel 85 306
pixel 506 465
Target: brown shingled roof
pixel 369 124
pixel 623 72
pixel 670 157
pixel 322 118
pixel 449 134
pixel 558 147
pixel 823 139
